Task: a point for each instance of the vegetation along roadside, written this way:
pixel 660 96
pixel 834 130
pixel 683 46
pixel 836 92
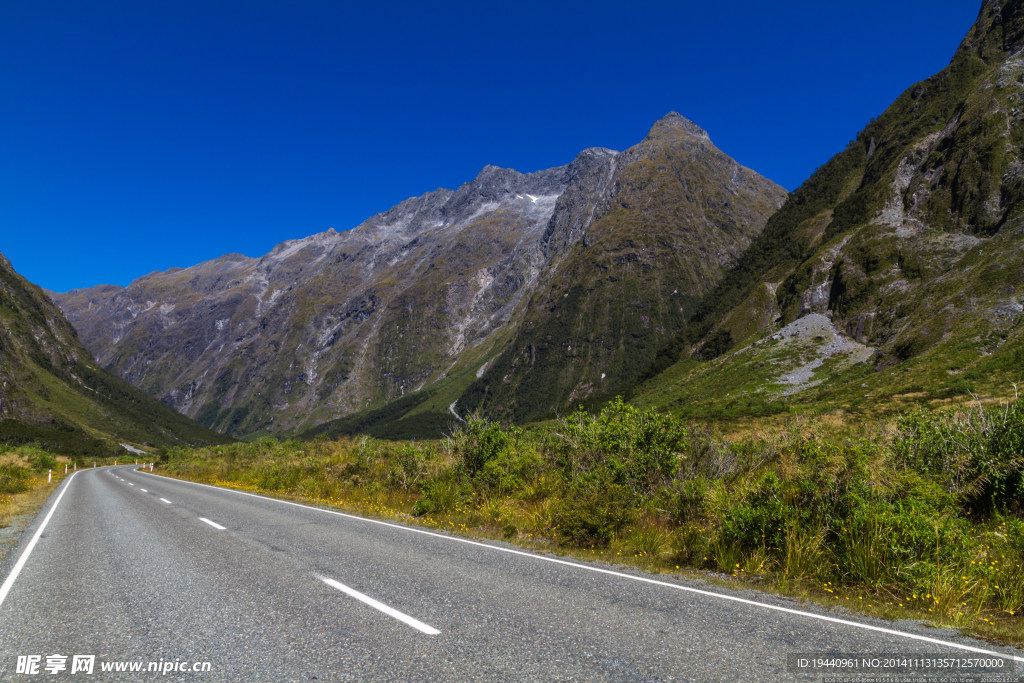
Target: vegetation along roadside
pixel 28 475
pixel 920 516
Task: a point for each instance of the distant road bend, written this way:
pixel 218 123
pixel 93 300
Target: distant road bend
pixel 126 566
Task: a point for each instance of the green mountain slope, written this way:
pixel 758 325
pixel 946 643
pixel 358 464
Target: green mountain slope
pixel 605 255
pixel 667 218
pixel 53 393
pixel 907 244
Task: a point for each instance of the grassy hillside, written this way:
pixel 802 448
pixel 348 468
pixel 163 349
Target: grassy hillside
pixel 911 243
pixel 52 393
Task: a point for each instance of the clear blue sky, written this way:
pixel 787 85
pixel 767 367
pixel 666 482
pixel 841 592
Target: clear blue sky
pixel 137 135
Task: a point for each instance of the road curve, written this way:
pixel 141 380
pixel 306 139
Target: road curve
pixel 132 567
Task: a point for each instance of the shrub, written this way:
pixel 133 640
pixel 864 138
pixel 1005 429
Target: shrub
pixel 638 449
pixel 477 443
pixel 14 479
pixel 439 496
pixel 408 465
pixel 511 469
pixel 943 444
pixel 649 541
pixel 1002 471
pixel 690 545
pixel 804 553
pixel 592 513
pixel 978 452
pixel 43 462
pixel 689 499
pixel 760 521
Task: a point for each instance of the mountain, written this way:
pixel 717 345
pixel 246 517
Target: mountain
pixel 53 393
pixel 441 291
pixel 638 240
pixel 896 270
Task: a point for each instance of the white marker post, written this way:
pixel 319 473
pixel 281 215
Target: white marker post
pixel 65 468
pixel 49 476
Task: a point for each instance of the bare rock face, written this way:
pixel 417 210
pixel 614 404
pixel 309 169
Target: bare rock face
pixel 337 322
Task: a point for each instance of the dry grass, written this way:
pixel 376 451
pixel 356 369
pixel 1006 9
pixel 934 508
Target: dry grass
pixel 18 509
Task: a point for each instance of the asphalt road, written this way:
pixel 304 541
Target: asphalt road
pixel 132 567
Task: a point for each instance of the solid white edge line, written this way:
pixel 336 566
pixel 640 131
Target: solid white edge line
pixel 213 524
pixel 166 501
pixel 642 579
pixel 390 611
pixel 6 587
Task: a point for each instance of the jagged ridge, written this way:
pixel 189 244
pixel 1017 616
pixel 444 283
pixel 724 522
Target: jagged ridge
pixel 339 322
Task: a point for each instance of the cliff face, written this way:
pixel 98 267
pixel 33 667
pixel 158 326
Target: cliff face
pixel 335 323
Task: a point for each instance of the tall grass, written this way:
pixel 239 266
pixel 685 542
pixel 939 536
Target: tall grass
pixel 923 513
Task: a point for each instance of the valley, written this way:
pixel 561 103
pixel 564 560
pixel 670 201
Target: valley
pixel 653 362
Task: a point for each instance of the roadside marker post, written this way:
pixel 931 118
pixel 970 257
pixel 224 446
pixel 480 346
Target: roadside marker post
pixel 49 476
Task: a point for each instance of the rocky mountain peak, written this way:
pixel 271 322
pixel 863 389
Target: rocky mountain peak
pixel 998 31
pixel 327 325
pixel 592 153
pixel 675 122
pixel 588 160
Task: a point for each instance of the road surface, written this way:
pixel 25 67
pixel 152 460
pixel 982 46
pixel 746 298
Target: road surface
pixel 136 568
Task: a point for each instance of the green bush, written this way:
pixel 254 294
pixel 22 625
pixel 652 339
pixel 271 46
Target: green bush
pixel 408 465
pixel 976 452
pixel 278 477
pixel 761 520
pixel 942 444
pixel 1003 469
pixel 592 513
pixel 928 509
pixel 43 462
pixel 689 496
pixel 478 442
pixel 439 496
pixel 690 545
pixel 638 449
pixel 509 471
pixel 14 479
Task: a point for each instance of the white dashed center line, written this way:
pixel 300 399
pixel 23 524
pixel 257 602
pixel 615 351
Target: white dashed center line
pixel 166 501
pixel 213 524
pixel 390 611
